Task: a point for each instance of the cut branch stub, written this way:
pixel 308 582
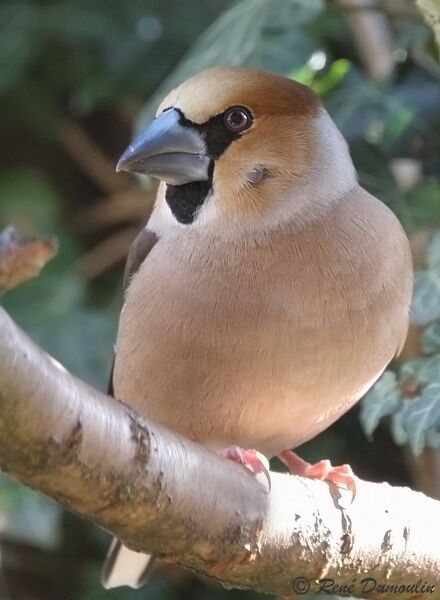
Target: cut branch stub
pixel 22 257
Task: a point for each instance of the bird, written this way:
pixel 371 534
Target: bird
pixel 268 290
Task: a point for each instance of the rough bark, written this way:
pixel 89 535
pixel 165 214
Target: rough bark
pixel 22 257
pixel 163 494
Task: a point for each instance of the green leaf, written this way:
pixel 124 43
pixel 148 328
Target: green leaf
pixel 19 44
pixel 330 80
pixel 52 310
pixel 79 23
pixel 422 370
pixel 29 200
pixel 284 43
pixel 433 250
pixel 364 117
pixel 425 307
pixel 233 40
pixel 281 49
pixel 431 339
pixel 381 400
pixel 322 83
pixel 418 422
pixel 28 516
pixel 229 40
pixel 423 203
pixel 433 438
pixel 303 11
pixel 398 430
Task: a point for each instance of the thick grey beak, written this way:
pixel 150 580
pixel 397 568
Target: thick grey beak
pixel 168 150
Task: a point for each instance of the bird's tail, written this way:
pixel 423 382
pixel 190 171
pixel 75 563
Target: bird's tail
pixel 125 567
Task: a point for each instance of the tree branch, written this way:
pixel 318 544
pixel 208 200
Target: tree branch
pixel 22 257
pixel 164 494
pixel 372 35
pixel 83 150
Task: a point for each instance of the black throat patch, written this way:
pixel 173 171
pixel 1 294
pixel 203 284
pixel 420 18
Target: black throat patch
pixel 185 200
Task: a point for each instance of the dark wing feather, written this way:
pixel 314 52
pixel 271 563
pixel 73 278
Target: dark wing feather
pixel 143 243
pixel 140 248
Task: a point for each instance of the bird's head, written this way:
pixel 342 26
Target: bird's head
pixel 238 145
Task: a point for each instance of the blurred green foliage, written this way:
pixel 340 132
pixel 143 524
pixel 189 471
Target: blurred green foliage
pixel 91 60
pixel 412 396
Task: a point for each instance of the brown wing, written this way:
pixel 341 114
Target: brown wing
pixel 140 248
pixel 114 572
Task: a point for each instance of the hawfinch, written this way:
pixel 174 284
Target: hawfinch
pixel 268 291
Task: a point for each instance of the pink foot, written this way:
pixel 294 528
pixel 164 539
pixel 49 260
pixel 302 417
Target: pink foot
pixel 254 461
pixel 341 476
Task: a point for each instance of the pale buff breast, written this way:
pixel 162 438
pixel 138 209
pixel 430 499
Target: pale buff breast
pixel 265 344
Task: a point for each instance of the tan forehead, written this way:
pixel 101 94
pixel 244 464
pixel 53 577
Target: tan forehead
pixel 213 91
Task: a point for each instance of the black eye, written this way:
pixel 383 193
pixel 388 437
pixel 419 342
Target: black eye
pixel 237 119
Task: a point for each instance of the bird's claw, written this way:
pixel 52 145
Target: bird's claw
pixel 252 460
pixel 340 476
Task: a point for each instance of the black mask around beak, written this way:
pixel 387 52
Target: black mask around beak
pixel 168 150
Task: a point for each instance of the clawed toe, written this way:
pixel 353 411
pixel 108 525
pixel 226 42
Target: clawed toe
pixel 341 476
pixel 251 459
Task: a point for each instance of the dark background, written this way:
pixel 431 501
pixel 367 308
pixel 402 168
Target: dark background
pixel 75 78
